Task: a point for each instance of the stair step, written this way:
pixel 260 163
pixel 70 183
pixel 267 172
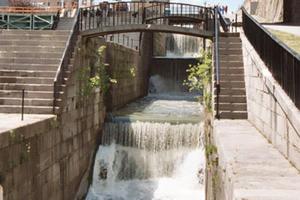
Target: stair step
pixel 33 43
pixel 231 91
pixel 232 84
pixel 35 32
pixel 232 99
pixel 39 49
pixel 27 102
pixel 18 60
pixel 29 80
pixel 225 51
pixel 39 55
pixel 231 58
pixel 230 40
pixel 233 106
pixel 31 87
pixel 28 66
pixel 231 77
pixel 233 115
pixel 27 109
pixel 231 63
pixel 27 73
pixel 230 45
pixel 232 71
pixel 40 37
pixel 28 94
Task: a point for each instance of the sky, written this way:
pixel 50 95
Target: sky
pixel 233 5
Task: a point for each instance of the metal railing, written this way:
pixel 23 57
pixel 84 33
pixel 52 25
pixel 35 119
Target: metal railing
pixel 60 76
pixel 217 17
pixel 126 13
pixel 282 61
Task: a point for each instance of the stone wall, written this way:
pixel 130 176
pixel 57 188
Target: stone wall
pixel 130 68
pixel 52 159
pixel 269 108
pixel 47 160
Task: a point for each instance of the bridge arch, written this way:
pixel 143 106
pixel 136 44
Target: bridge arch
pixel 121 17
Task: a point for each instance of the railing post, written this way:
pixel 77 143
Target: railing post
pixel 22 109
pixel 114 15
pixel 54 96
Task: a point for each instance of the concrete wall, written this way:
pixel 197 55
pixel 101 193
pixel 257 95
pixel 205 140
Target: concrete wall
pixel 269 108
pixel 131 70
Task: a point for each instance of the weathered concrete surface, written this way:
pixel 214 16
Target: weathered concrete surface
pixel 249 167
pixel 13 121
pixel 285 28
pixel 270 110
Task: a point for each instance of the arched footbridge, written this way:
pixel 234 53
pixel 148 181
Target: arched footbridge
pixel 121 17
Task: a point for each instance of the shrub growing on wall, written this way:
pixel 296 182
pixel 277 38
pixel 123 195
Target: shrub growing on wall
pixel 199 77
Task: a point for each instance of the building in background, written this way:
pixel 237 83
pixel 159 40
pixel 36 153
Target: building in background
pixel 274 11
pixel 292 11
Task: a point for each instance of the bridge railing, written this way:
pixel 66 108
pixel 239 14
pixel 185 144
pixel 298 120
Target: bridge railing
pixel 178 10
pixel 282 61
pixel 124 13
pixel 112 14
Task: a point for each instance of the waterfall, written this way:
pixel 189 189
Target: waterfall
pixel 148 160
pixel 183 46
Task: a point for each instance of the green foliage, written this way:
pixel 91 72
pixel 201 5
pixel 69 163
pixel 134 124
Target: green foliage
pixel 132 71
pixel 199 75
pixel 210 149
pixel 199 78
pixel 96 78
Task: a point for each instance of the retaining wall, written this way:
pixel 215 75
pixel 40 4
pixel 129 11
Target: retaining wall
pixel 269 108
pixel 130 68
pixel 53 158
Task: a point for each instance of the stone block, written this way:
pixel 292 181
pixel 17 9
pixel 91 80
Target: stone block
pixel 294 155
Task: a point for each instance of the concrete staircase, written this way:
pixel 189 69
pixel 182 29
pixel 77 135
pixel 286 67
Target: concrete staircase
pixel 29 60
pixel 232 98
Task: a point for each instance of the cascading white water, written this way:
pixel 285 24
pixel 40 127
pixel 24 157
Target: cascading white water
pixel 147 160
pixel 183 46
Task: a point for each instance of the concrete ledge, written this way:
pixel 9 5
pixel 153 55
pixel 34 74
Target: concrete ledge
pixel 250 167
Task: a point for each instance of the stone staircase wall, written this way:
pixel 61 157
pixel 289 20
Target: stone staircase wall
pixel 29 60
pixel 232 97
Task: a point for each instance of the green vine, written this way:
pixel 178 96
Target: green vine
pixel 199 78
pixel 97 77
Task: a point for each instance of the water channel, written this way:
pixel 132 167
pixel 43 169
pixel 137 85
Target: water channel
pixel 153 149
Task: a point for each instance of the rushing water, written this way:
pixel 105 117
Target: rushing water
pixel 157 157
pixel 179 46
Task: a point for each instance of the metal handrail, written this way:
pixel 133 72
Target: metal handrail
pixel 217 59
pixel 283 45
pixel 63 66
pixel 222 20
pixel 281 60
